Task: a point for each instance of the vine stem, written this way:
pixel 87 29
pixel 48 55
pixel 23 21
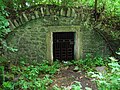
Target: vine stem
pixel 106 40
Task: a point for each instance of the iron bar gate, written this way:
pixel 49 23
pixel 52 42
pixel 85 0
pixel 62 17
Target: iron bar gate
pixel 63 45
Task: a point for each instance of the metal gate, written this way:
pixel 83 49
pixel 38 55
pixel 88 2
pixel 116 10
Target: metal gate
pixel 63 45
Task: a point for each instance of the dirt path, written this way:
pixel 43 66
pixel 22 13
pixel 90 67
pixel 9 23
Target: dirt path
pixel 66 77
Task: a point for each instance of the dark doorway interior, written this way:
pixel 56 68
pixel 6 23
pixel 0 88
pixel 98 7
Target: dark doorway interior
pixel 63 45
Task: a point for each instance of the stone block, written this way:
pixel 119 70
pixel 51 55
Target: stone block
pixel 25 17
pixel 73 13
pixel 21 19
pixel 69 12
pixel 16 23
pixel 33 17
pixel 11 25
pixel 42 11
pixel 62 12
pixel 19 22
pixel 43 30
pixel 36 14
pixel 101 69
pixel 47 11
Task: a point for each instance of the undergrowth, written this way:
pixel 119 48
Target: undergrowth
pixel 88 63
pixel 110 80
pixel 25 76
pixel 29 77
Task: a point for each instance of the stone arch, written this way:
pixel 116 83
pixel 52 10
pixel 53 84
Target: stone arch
pixel 32 34
pixel 40 12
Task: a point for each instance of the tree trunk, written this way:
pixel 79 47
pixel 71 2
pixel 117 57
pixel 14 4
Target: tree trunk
pixel 95 13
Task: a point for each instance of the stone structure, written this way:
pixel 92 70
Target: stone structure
pixel 33 34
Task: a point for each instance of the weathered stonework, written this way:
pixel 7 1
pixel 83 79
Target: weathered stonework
pixel 33 38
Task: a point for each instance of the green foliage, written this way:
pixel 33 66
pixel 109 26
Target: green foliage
pixel 99 61
pixel 109 80
pixel 34 83
pixel 111 6
pixel 47 68
pixel 28 77
pixel 115 35
pixel 2 60
pixel 75 86
pixel 4 30
pixel 90 62
pixel 4 27
pixel 4 44
pixel 3 21
pixel 1 75
pixel 32 77
pixel 8 85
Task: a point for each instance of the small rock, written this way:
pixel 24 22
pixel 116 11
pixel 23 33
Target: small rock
pixel 66 67
pixel 101 69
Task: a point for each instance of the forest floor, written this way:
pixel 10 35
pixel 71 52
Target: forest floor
pixel 66 76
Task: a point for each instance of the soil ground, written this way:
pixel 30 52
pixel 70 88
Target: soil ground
pixel 66 76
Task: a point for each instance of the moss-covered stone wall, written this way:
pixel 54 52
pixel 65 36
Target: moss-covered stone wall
pixel 33 39
pixel 32 33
